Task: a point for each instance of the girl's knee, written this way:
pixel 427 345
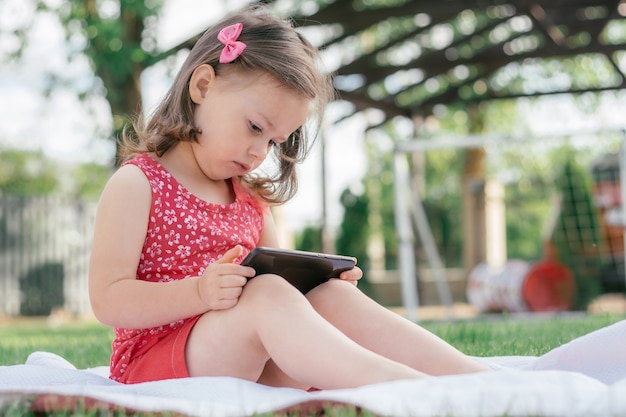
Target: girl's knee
pixel 266 282
pixel 333 291
pixel 334 286
pixel 269 287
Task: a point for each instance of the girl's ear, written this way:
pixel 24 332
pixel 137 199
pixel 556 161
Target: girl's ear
pixel 201 79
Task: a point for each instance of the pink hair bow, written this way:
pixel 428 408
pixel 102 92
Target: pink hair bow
pixel 232 47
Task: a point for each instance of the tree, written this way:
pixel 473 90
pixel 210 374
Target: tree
pixel 120 41
pixel 117 36
pixel 89 180
pixel 309 239
pixel 26 173
pixel 354 231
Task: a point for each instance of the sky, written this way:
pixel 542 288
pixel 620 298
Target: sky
pixel 63 126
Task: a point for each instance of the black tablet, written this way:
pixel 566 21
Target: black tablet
pixel 304 270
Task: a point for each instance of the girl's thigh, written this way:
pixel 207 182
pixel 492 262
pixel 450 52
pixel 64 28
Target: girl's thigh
pixel 222 344
pixel 226 342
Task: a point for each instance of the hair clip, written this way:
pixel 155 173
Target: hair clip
pixel 232 47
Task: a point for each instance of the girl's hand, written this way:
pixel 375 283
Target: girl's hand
pixel 221 284
pixel 352 275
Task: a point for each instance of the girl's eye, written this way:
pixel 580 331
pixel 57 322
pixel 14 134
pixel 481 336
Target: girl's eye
pixel 255 128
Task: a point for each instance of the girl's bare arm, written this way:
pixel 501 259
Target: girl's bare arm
pixel 118 299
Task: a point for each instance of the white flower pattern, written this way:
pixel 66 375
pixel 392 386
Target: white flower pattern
pixel 185 234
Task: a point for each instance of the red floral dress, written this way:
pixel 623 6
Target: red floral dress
pixel 185 234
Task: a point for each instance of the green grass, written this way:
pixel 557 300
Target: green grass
pixel 527 336
pixel 87 345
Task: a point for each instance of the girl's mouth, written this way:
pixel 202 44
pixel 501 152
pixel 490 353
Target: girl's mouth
pixel 243 167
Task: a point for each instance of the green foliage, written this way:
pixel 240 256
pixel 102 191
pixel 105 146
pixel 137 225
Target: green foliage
pixel 443 202
pixel 386 207
pixel 500 116
pixel 354 230
pixel 89 180
pixel 309 239
pixel 577 235
pixel 379 189
pixel 377 4
pixel 31 173
pixel 117 36
pixel 27 172
pixel 527 170
pixel 445 223
pixel 42 289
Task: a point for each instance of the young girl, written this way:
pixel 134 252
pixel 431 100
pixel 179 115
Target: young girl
pixel 177 218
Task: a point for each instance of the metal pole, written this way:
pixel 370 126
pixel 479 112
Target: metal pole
pixel 405 236
pixel 327 243
pixel 622 173
pixel 430 247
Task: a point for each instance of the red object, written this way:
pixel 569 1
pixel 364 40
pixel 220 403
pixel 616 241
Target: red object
pixel 549 286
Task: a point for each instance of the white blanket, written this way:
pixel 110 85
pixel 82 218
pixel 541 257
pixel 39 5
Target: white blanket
pixel 586 377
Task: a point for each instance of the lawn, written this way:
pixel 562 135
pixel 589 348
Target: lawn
pixel 87 344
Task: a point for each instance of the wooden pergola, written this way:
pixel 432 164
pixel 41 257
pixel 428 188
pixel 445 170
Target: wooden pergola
pixel 403 57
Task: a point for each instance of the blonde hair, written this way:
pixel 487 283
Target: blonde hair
pixel 272 46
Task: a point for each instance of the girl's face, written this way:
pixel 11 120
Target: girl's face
pixel 241 116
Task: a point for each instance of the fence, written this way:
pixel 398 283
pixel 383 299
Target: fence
pixel 44 254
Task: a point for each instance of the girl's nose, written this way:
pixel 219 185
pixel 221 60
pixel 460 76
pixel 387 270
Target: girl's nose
pixel 259 150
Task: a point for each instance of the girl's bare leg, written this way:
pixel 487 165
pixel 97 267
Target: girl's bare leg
pixel 386 333
pixel 273 320
pixel 274 376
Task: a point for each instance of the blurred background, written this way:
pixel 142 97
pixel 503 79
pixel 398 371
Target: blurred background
pixel 473 156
